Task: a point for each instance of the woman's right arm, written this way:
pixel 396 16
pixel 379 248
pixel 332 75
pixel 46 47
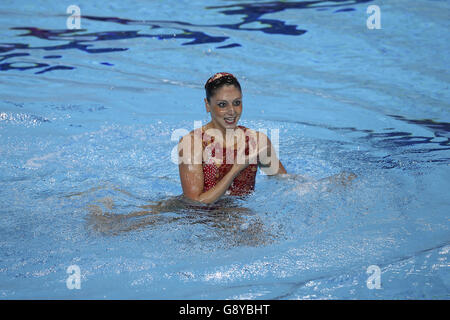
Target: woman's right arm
pixel 191 175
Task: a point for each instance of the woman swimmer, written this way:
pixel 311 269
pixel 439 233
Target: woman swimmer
pixel 213 170
pixel 219 158
pixel 209 172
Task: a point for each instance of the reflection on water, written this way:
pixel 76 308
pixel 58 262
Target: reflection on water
pixel 397 143
pixel 227 218
pixel 195 34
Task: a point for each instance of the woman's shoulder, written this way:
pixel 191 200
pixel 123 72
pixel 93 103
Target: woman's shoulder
pixel 198 132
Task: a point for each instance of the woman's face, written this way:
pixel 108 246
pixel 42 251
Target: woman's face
pixel 225 107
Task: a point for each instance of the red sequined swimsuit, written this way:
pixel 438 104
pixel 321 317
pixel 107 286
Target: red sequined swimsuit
pixel 213 172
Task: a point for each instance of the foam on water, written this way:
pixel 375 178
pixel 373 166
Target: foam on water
pixel 85 152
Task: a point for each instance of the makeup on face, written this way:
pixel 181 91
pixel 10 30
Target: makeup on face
pixel 226 106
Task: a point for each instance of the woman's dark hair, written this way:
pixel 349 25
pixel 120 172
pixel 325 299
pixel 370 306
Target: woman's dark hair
pixel 219 80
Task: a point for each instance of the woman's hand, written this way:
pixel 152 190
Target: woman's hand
pixel 243 161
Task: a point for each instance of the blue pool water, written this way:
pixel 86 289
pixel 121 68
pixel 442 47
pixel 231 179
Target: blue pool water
pixel 86 124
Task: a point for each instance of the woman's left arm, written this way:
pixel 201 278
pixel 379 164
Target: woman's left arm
pixel 267 157
pixel 272 166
